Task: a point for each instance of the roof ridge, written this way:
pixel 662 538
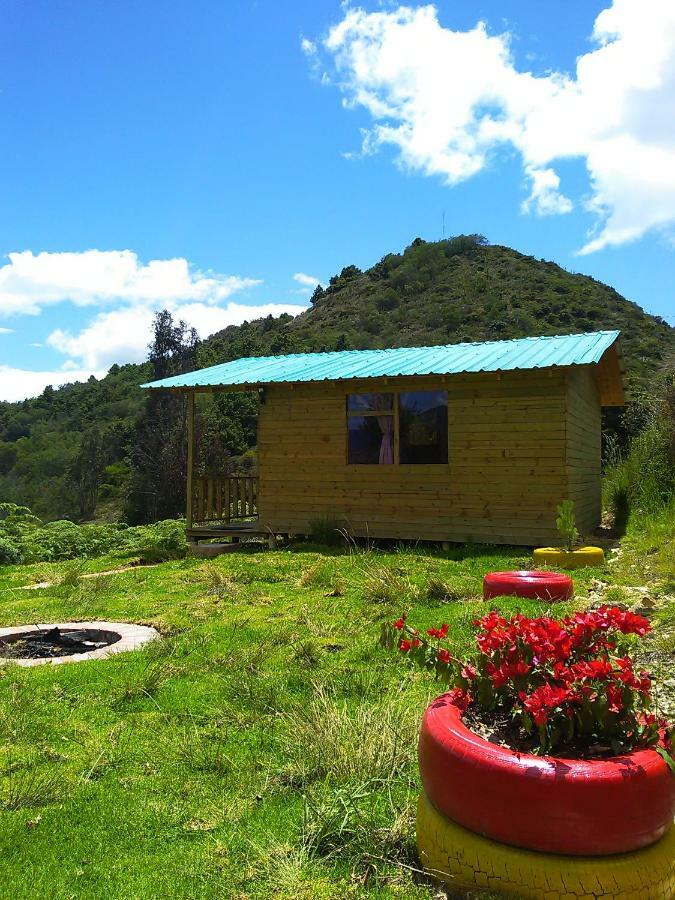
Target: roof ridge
pixel 529 337
pixel 525 353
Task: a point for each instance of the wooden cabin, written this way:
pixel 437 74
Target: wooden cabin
pixel 467 442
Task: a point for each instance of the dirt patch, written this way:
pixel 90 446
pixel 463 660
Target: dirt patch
pixel 46 584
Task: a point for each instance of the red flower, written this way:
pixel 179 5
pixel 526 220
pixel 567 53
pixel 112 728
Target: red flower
pixel 439 633
pixel 634 624
pixel 399 623
pixel 543 699
pixel 615 698
pixel 595 668
pixel 560 664
pixel 562 672
pixel 460 698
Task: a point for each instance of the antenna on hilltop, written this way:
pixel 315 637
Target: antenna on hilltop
pixel 443 224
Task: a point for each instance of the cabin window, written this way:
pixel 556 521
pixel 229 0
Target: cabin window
pixel 370 424
pixel 423 425
pixel 408 428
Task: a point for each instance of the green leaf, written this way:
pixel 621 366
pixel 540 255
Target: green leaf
pixel 666 757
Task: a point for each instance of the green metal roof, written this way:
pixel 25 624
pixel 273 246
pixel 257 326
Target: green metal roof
pixel 451 359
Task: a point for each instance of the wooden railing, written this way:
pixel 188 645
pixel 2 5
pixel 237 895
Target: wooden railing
pixel 224 498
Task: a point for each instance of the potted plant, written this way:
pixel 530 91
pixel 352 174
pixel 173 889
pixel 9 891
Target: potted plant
pixel 569 556
pixel 546 755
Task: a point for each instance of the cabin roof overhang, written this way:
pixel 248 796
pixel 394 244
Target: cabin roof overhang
pixel 599 349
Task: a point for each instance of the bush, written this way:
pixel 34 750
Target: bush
pixel 326 530
pixel 566 683
pixel 10 555
pixel 158 542
pixel 644 479
pixel 566 524
pixel 24 538
pixel 67 540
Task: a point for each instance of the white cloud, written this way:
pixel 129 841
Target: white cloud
pixel 122 335
pixel 448 101
pixel 30 281
pixel 307 282
pixel 128 293
pixel 6 331
pixel 17 384
pixel 545 198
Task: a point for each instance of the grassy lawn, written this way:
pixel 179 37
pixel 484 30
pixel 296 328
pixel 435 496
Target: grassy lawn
pixel 265 747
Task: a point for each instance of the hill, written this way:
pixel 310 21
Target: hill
pixel 452 291
pixel 69 451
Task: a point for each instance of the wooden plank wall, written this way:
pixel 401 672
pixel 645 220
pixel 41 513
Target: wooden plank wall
pixel 583 458
pixel 506 471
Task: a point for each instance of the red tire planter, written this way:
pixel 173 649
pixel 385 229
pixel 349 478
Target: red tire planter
pixel 574 807
pixel 549 586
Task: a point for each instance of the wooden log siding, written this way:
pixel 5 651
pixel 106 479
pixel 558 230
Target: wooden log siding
pixel 224 498
pixel 518 443
pixel 583 447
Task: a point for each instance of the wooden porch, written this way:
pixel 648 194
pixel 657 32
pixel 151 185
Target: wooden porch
pixel 222 506
pixel 219 505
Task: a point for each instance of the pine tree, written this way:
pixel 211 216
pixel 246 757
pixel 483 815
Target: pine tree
pixel 159 458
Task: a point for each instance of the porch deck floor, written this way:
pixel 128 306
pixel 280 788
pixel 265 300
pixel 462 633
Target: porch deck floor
pixel 250 528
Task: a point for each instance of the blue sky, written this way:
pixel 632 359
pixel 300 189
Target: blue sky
pixel 251 142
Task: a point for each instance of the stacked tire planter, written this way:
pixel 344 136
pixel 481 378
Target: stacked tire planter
pixel 569 559
pixel 541 827
pixel 549 586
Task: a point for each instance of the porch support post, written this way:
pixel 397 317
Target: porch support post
pixel 190 454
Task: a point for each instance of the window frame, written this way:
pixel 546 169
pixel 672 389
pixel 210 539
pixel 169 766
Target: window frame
pixel 396 465
pixel 366 413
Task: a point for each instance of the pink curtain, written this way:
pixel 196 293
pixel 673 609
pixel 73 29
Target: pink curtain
pixel 386 424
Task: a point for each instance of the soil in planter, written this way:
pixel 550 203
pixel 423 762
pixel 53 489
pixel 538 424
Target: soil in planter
pixel 499 728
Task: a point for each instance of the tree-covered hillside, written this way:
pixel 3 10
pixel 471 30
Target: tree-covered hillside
pixel 452 291
pixel 71 452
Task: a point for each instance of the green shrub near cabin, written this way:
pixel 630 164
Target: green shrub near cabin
pixel 25 538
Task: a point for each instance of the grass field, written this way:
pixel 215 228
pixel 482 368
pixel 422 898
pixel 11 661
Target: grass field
pixel 265 747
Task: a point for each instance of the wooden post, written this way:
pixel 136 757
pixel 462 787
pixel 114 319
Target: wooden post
pixel 190 454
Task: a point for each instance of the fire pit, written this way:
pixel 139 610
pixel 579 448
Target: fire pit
pixel 33 645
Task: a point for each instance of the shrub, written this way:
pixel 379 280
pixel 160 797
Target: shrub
pixel 10 554
pixel 566 524
pixel 326 530
pixel 66 540
pixel 163 540
pixel 24 538
pixel 644 479
pixel 562 683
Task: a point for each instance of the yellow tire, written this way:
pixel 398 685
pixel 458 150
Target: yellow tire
pixel 569 559
pixel 464 860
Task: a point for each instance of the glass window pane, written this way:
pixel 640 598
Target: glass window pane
pixel 423 418
pixel 371 440
pixel 370 402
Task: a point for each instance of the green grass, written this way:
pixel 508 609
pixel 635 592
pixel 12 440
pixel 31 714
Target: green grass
pixel 265 747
